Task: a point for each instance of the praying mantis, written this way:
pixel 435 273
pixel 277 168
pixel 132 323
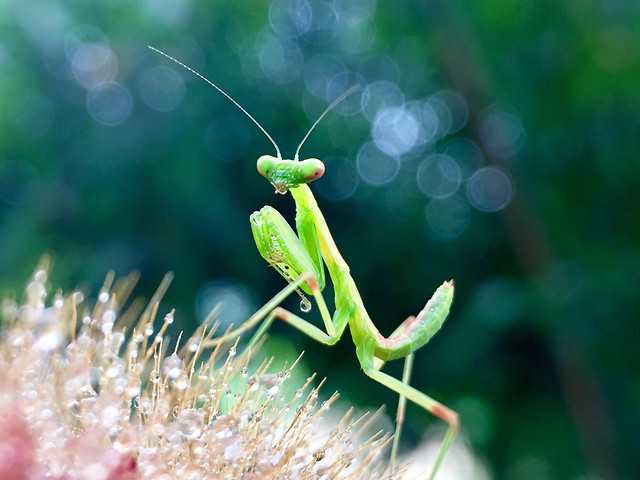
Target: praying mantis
pixel 301 259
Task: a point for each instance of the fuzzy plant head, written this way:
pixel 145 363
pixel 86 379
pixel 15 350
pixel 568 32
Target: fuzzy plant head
pixel 93 393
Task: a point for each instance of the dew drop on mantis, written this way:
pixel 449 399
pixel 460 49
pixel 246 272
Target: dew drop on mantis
pixel 301 259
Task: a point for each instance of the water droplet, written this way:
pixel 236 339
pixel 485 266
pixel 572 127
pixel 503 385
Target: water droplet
pixel 84 341
pixel 109 416
pixel 115 369
pixel 181 382
pixel 49 342
pixel 133 391
pixel 58 302
pixel 154 376
pixel 305 305
pixel 190 422
pixel 109 316
pixel 145 405
pixel 40 275
pixel 36 290
pixel 232 451
pixel 172 366
pixel 107 328
pixel 256 219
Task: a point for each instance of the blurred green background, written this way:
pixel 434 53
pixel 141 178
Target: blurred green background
pixel 494 143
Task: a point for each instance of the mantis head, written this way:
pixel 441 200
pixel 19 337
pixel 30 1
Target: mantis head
pixel 286 174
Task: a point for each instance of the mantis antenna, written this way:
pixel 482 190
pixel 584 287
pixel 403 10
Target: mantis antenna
pixel 225 94
pixel 327 110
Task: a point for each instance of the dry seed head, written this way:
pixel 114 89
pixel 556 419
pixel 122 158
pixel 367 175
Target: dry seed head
pixel 93 393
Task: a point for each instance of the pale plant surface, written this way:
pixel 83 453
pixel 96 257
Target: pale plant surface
pixel 92 393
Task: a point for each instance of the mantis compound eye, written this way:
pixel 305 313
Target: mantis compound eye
pixel 266 165
pixel 310 169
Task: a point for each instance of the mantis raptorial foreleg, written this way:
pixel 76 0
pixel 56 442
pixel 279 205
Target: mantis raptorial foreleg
pixel 301 260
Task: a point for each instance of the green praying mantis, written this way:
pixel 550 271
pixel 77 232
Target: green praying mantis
pixel 301 258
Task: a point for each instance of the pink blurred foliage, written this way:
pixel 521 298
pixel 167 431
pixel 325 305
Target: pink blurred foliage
pixel 17 450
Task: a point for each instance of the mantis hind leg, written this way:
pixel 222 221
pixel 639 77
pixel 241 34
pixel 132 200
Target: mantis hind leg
pixel 367 359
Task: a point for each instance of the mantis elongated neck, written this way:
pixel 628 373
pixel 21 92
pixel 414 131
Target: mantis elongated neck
pixel 347 297
pixel 306 204
pixel 344 285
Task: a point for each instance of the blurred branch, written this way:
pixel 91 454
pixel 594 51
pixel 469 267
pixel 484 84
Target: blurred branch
pixel 464 70
pixel 587 407
pixel 464 73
